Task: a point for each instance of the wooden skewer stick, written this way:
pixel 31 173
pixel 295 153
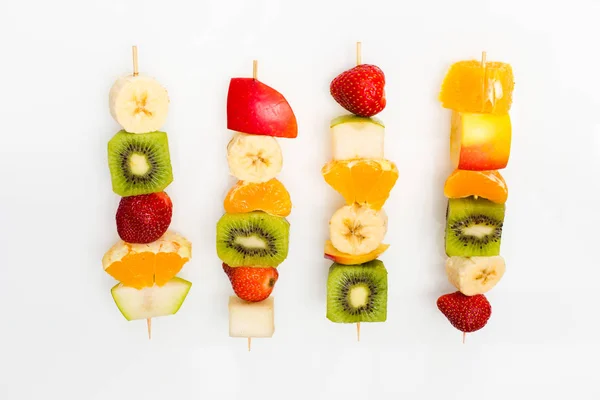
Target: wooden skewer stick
pixel 358 62
pixel 249 343
pixel 135 61
pixel 134 52
pixel 254 69
pixel 464 337
pixel 483 81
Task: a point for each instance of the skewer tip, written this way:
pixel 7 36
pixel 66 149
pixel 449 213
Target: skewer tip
pixel 254 69
pixel 358 331
pixel 358 53
pixel 464 337
pixel 135 60
pixel 149 323
pixel 249 343
pixel 483 58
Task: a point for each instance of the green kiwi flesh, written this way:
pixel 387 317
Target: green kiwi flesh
pixel 252 239
pixel 474 227
pixel 357 293
pixel 139 163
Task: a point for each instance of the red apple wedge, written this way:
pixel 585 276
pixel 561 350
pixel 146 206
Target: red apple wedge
pixel 480 142
pixel 257 109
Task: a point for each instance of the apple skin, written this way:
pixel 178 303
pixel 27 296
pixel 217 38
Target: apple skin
pixel 480 142
pixel 344 119
pixel 331 253
pixel 257 109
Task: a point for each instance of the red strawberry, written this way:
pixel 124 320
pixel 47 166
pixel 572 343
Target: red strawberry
pixel 465 313
pixel 360 90
pixel 252 284
pixel 144 218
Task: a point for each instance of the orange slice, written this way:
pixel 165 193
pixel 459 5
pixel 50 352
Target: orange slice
pixel 468 87
pixel 143 265
pixel 271 197
pixel 362 181
pixel 487 184
pixel 333 254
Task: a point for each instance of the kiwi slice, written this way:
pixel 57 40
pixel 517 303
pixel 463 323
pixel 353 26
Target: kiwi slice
pixel 357 293
pixel 139 163
pixel 252 239
pixel 473 227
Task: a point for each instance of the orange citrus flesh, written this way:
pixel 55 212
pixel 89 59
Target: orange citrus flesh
pixel 468 87
pixel 143 265
pixel 487 184
pixel 362 181
pixel 271 197
pixel 337 256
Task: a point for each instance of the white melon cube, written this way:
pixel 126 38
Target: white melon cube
pixel 151 302
pixel 251 320
pixel 357 137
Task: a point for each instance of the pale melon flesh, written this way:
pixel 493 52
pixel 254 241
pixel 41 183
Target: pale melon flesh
pixel 151 302
pixel 250 320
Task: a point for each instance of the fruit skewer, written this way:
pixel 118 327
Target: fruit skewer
pixel 134 51
pixel 357 281
pixel 149 255
pixel 479 95
pixel 253 234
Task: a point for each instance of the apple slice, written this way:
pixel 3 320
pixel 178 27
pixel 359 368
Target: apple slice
pixel 357 137
pixel 480 142
pixel 257 109
pixel 151 302
pixel 331 253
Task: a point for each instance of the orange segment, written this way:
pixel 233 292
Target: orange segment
pixel 337 256
pixel 143 265
pixel 271 197
pixel 468 87
pixel 362 181
pixel 487 184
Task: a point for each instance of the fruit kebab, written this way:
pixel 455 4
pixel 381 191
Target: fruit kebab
pixel 253 233
pixel 357 281
pixel 479 94
pixel 149 254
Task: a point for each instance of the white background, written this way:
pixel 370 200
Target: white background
pixel 61 335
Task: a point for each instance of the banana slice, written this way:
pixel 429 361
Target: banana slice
pixel 139 103
pixel 357 229
pixel 254 158
pixel 475 275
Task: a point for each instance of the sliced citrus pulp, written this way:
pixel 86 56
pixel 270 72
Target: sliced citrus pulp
pixel 486 184
pixel 337 256
pixel 362 181
pixel 143 265
pixel 469 87
pixel 271 197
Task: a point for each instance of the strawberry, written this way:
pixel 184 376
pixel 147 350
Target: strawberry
pixel 144 218
pixel 360 90
pixel 465 313
pixel 250 283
